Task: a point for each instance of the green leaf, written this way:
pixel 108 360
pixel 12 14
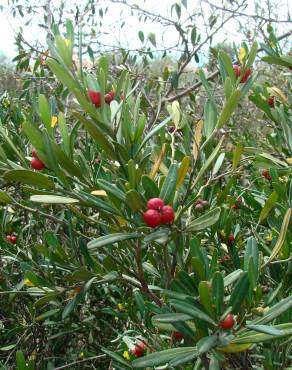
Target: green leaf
pixel 111 239
pixel 192 311
pixel 162 357
pixel 153 132
pixel 20 361
pixel 254 337
pixel 227 65
pixel 228 109
pixel 111 189
pixel 97 135
pixel 269 205
pixel 29 177
pixel 45 112
pixel 53 199
pixel 252 54
pixel 152 38
pixel 236 155
pixel 218 291
pixel 251 250
pixel 207 343
pixel 276 60
pixel 206 220
pixel 266 329
pixel 151 189
pixel 134 200
pixel 239 293
pixel 274 311
pixel 141 36
pixel 206 298
pixel 168 189
pixel 5 198
pixel 171 317
pixel 8 347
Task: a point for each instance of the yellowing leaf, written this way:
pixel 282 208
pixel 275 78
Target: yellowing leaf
pixel 197 138
pixel 158 162
pixel 275 91
pixel 99 193
pixel 185 163
pixel 67 42
pixel 281 237
pixel 289 160
pixel 54 121
pixel 233 348
pixel 242 55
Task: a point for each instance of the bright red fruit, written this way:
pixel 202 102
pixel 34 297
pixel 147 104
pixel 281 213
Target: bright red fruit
pixel 271 101
pixel 231 239
pixel 167 215
pixel 177 335
pixel 139 349
pixel 228 322
pixel 13 239
pixel 34 153
pixel 155 203
pixel 236 70
pixel 94 97
pixel 8 238
pixel 265 173
pixel 152 218
pixel 37 164
pixel 246 76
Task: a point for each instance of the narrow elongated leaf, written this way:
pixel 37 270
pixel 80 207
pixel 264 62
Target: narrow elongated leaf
pixel 255 337
pixel 269 205
pixel 239 293
pixel 53 199
pixel 275 311
pixel 266 329
pixel 111 239
pixel 171 317
pixel 169 185
pixel 192 311
pixel 183 170
pixel 4 198
pixel 162 357
pixel 206 220
pixel 117 358
pixel 218 291
pixel 29 177
pixel 228 109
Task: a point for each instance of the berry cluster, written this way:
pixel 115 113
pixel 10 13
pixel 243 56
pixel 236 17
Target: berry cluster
pixel 267 175
pixel 35 162
pixel 139 349
pixel 158 213
pixel 201 204
pixel 11 238
pixel 237 71
pixel 95 97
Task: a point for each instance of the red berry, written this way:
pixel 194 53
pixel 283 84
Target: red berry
pixel 271 101
pixel 109 97
pixel 8 238
pixel 177 335
pixel 34 153
pixel 236 70
pixel 228 322
pixel 155 203
pixel 139 349
pixel 152 218
pixel 141 345
pixel 13 239
pixel 37 164
pixel 246 76
pixel 231 239
pixel 225 258
pixel 269 178
pixel 167 215
pixel 265 173
pixel 94 97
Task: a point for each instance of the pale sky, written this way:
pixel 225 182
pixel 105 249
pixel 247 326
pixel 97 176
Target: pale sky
pixel 128 35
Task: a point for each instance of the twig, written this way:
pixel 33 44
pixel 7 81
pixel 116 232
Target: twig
pixel 79 362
